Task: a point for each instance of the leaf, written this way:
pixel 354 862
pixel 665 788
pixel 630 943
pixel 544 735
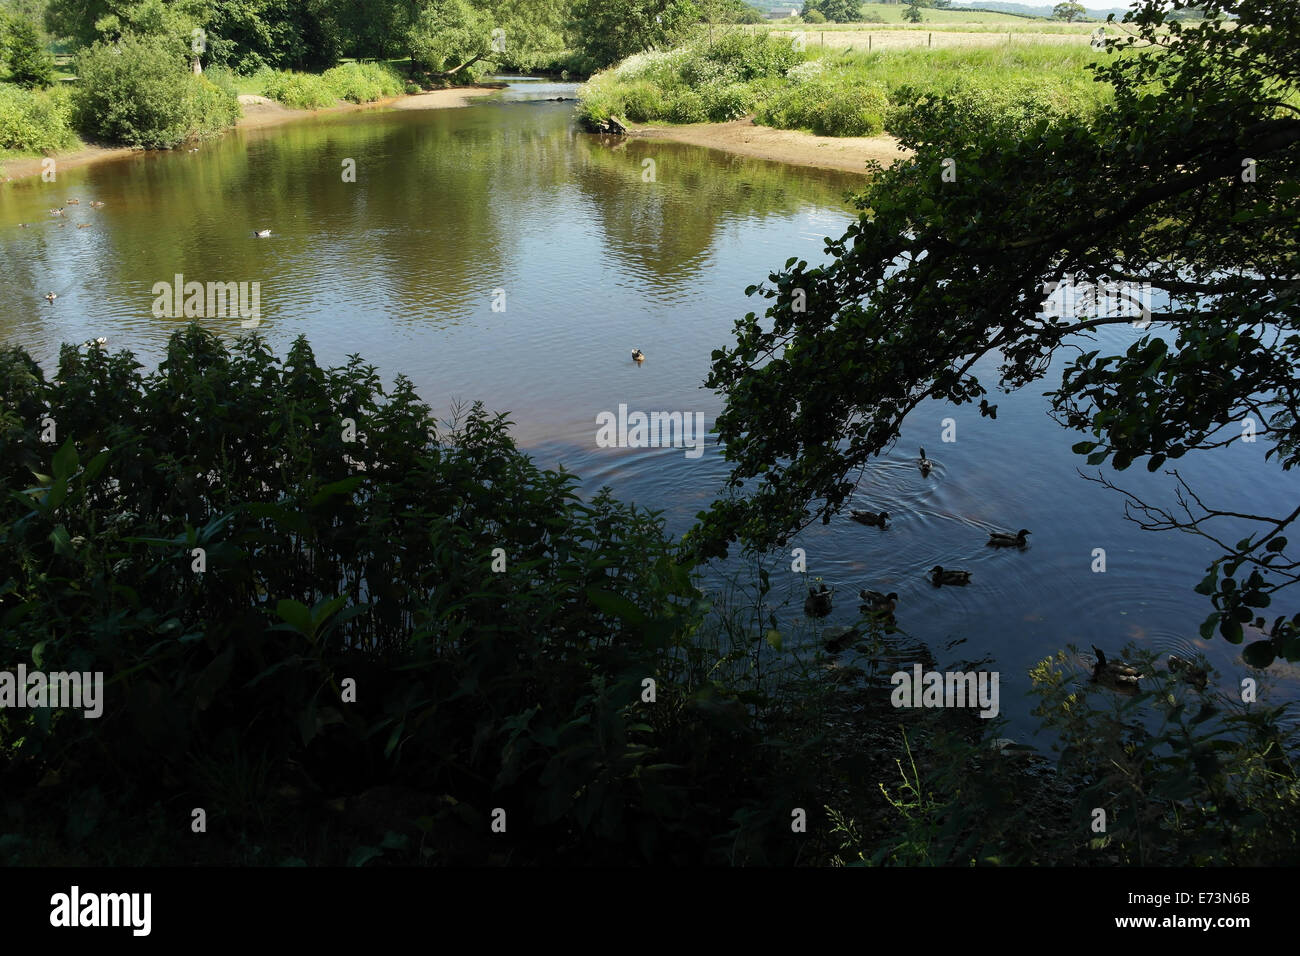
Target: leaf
pixel 773 638
pixel 363 855
pixel 1275 544
pixel 296 615
pixel 65 461
pixel 615 605
pixel 344 487
pixel 1259 653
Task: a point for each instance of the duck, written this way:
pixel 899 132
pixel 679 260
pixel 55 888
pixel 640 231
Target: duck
pixel 876 601
pixel 96 205
pixel 51 296
pixel 1116 675
pixel 925 464
pixel 74 202
pixel 837 639
pixel 56 212
pixel 1198 677
pixel 638 355
pixel 1000 539
pixel 83 225
pixel 261 233
pixel 818 602
pixel 940 575
pixel 869 517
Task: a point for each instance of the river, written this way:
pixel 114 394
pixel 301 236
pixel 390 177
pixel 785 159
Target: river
pixel 497 253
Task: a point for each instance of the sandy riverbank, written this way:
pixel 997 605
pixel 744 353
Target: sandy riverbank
pixel 259 112
pixel 745 138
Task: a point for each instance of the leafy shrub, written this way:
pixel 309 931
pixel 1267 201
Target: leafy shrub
pixel 479 684
pixel 971 109
pixel 728 102
pixel 141 93
pixel 33 121
pixel 750 56
pixel 832 105
pixel 362 82
pixel 298 91
pixel 688 107
pixel 643 102
pixel 814 16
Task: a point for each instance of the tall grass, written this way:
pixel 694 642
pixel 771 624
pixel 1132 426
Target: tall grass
pixel 843 93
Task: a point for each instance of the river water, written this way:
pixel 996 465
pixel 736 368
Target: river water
pixel 497 253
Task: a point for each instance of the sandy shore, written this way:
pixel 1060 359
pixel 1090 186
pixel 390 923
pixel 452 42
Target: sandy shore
pixel 259 112
pixel 744 137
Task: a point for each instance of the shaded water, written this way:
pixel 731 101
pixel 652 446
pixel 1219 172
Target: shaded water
pixel 403 266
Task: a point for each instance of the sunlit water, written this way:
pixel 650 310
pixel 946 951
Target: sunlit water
pixel 593 251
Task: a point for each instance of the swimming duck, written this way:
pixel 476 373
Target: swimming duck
pixel 925 464
pixel 51 296
pixel 940 575
pixel 1000 539
pixel 1116 675
pixel 869 517
pixel 877 601
pixel 96 205
pixel 261 233
pixel 74 202
pixel 56 212
pixel 1198 677
pixel 818 602
pixel 637 355
pixel 83 225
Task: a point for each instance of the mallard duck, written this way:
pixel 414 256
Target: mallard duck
pixel 1198 677
pixel 96 205
pixel 1116 675
pixel 56 212
pixel 51 296
pixel 637 355
pixel 836 639
pixel 83 225
pixel 876 520
pixel 74 202
pixel 940 575
pixel 925 464
pixel 1000 539
pixel 261 233
pixel 818 602
pixel 876 601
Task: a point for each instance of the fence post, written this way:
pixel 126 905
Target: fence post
pixel 868 42
pixel 823 39
pixel 930 43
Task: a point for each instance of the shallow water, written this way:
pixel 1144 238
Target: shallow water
pixel 597 256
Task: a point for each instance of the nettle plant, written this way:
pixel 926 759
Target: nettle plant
pixel 295 582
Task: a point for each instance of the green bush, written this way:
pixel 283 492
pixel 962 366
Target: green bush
pixel 497 626
pixel 35 122
pixel 298 91
pixel 141 93
pixel 643 102
pixel 829 105
pixel 971 109
pixel 728 102
pixel 363 82
pixel 688 107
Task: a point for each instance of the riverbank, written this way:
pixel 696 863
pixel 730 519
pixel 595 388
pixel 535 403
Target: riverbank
pixel 796 147
pixel 259 112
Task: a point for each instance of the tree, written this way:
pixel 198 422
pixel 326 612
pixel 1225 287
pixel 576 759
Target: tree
pixel 1069 11
pixel 913 12
pixel 836 11
pixel 1187 182
pixel 30 63
pixel 607 31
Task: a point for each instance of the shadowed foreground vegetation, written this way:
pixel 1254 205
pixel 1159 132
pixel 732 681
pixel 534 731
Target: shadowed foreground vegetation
pixel 211 539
